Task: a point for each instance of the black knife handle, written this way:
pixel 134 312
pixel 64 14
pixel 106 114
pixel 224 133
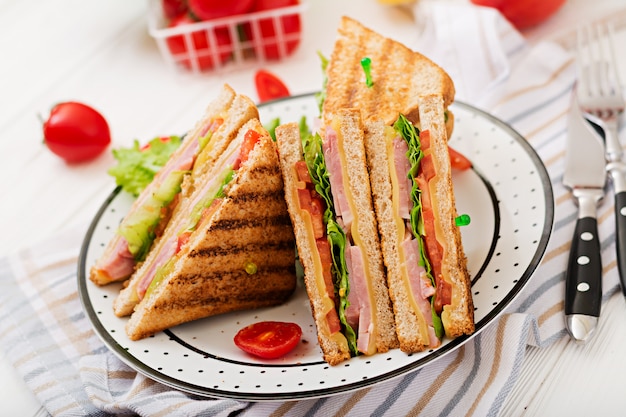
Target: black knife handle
pixel 620 239
pixel 583 280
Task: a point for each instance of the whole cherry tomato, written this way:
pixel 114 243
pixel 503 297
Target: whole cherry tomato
pixel 524 13
pixel 178 46
pixel 76 132
pixel 214 9
pixel 173 8
pixel 269 86
pixel 290 24
pixel 269 339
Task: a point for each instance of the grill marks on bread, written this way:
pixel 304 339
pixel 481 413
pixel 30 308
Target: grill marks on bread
pixel 399 75
pixel 242 257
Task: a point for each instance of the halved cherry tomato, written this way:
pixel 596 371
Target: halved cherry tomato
pixel 269 86
pixel 458 160
pixel 214 9
pixel 76 132
pixel 268 339
pixel 182 51
pixel 270 34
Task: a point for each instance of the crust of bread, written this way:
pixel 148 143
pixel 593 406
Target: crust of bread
pixel 457 317
pixel 250 227
pixel 395 87
pixel 290 152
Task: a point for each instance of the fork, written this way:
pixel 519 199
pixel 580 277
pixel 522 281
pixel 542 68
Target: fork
pixel 600 95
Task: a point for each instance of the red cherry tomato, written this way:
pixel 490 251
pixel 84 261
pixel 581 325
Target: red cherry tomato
pixel 200 45
pixel 173 8
pixel 524 13
pixel 269 339
pixel 76 132
pixel 214 9
pixel 458 160
pixel 269 86
pixel 290 27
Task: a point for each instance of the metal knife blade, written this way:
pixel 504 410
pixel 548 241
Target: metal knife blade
pixel 585 176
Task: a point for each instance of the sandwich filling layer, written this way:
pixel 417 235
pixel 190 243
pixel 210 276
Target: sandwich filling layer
pixel 342 265
pixel 153 208
pixel 205 202
pixel 411 170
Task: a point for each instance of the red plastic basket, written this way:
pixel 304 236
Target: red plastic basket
pixel 228 43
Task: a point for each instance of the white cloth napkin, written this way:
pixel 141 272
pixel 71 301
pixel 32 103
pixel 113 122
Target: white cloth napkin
pixel 48 338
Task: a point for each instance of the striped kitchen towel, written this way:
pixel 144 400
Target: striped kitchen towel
pixel 50 341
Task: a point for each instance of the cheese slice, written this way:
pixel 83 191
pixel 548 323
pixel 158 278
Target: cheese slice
pixel 390 135
pixel 327 302
pixel 356 238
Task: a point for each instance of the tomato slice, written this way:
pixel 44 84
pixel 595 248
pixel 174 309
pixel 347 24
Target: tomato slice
pixel 458 160
pixel 268 339
pixel 250 139
pixel 147 145
pixel 269 86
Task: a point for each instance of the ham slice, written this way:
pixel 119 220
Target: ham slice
pixel 360 307
pixel 420 285
pixel 167 252
pixel 119 263
pixel 403 166
pixel 332 157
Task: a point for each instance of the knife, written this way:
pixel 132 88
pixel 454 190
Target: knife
pixel 585 176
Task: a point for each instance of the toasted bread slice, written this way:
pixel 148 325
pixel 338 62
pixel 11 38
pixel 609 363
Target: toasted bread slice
pixel 240 257
pixel 399 75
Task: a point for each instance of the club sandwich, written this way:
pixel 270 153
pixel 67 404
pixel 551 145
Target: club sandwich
pixel 411 180
pixel 228 246
pixel 330 204
pixel 151 211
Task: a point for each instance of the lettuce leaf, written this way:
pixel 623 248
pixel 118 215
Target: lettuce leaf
pixel 314 158
pixel 321 95
pixel 411 135
pixel 136 168
pixel 271 127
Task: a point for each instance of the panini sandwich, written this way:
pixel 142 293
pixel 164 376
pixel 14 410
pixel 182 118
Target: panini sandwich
pixel 330 204
pixel 413 195
pixel 229 245
pixel 151 211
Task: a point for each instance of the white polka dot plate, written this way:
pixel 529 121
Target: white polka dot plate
pixel 508 197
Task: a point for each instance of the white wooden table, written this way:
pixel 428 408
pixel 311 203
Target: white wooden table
pixel 100 53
